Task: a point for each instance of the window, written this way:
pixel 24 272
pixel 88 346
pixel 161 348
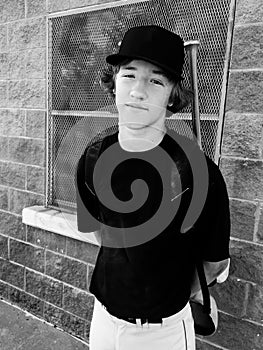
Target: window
pixel 78 108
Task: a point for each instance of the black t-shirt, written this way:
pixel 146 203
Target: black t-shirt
pixel 152 278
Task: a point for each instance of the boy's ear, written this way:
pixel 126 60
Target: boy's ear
pixel 172 97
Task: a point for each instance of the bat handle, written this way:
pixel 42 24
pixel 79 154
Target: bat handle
pixel 192 48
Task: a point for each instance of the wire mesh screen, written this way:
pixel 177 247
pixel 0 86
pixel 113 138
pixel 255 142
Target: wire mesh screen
pixel 78 108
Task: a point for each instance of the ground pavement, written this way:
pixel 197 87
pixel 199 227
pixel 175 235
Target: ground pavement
pixel 20 331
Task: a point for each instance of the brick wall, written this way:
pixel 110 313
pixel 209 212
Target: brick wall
pixel 48 274
pixel 241 297
pixel 44 273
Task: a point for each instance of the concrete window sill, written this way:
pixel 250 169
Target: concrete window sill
pixel 56 221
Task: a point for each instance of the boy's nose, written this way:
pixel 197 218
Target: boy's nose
pixel 138 91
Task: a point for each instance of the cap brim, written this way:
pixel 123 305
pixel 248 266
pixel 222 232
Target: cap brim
pixel 116 59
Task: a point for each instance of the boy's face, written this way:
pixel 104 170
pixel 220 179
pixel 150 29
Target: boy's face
pixel 142 95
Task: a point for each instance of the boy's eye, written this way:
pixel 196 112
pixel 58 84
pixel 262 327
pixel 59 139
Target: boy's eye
pixel 157 82
pixel 128 75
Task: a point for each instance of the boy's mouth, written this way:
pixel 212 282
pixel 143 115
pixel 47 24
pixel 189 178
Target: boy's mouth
pixel 137 106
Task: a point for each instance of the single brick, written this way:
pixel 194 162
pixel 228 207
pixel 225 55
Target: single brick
pixel 4 290
pixel 3 117
pixel 82 250
pixel 245 92
pixel 66 270
pixel 21 199
pixel 29 151
pixel 35 179
pixel 3 37
pixel 202 345
pixel 53 315
pixel 246 261
pixel 3 65
pixel 243 135
pixel 27 93
pixel 249 11
pixel 27 255
pixel 12 10
pixel 12 122
pixel 231 296
pixel 12 174
pixel 11 225
pixel 26 301
pixel 46 239
pixel 12 273
pixel 78 303
pixel 87 331
pixel 255 304
pixel 73 325
pixel 3 247
pixel 35 64
pixel 259 234
pixel 35 8
pixel 234 333
pixel 28 34
pixel 44 287
pixel 16 120
pixel 64 320
pixel 242 219
pixel 244 178
pixel 80 3
pixel 3 146
pixel 58 5
pixel 16 64
pixel 247 47
pixel 35 123
pixel 3 198
pixel 91 269
pixel 3 93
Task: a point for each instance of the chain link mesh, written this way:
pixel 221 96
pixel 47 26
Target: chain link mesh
pixel 77 106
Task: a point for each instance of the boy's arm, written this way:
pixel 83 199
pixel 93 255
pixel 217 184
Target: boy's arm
pixel 87 206
pixel 213 270
pixel 214 225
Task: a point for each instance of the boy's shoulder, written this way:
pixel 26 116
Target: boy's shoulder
pixel 101 137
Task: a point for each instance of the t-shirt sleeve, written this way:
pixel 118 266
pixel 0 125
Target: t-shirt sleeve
pixel 87 203
pixel 213 225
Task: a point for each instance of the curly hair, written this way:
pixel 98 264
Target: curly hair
pixel 180 97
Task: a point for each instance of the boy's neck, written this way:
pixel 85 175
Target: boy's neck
pixel 143 139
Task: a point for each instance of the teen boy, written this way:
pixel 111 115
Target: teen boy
pixel 144 275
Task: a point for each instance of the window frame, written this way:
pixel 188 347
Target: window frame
pixel 49 154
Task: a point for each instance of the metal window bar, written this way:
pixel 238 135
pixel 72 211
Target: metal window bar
pixel 77 43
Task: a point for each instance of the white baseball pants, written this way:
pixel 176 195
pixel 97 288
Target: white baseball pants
pixel 111 333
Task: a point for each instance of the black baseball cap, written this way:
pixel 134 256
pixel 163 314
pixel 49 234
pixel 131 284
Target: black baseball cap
pixel 153 44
